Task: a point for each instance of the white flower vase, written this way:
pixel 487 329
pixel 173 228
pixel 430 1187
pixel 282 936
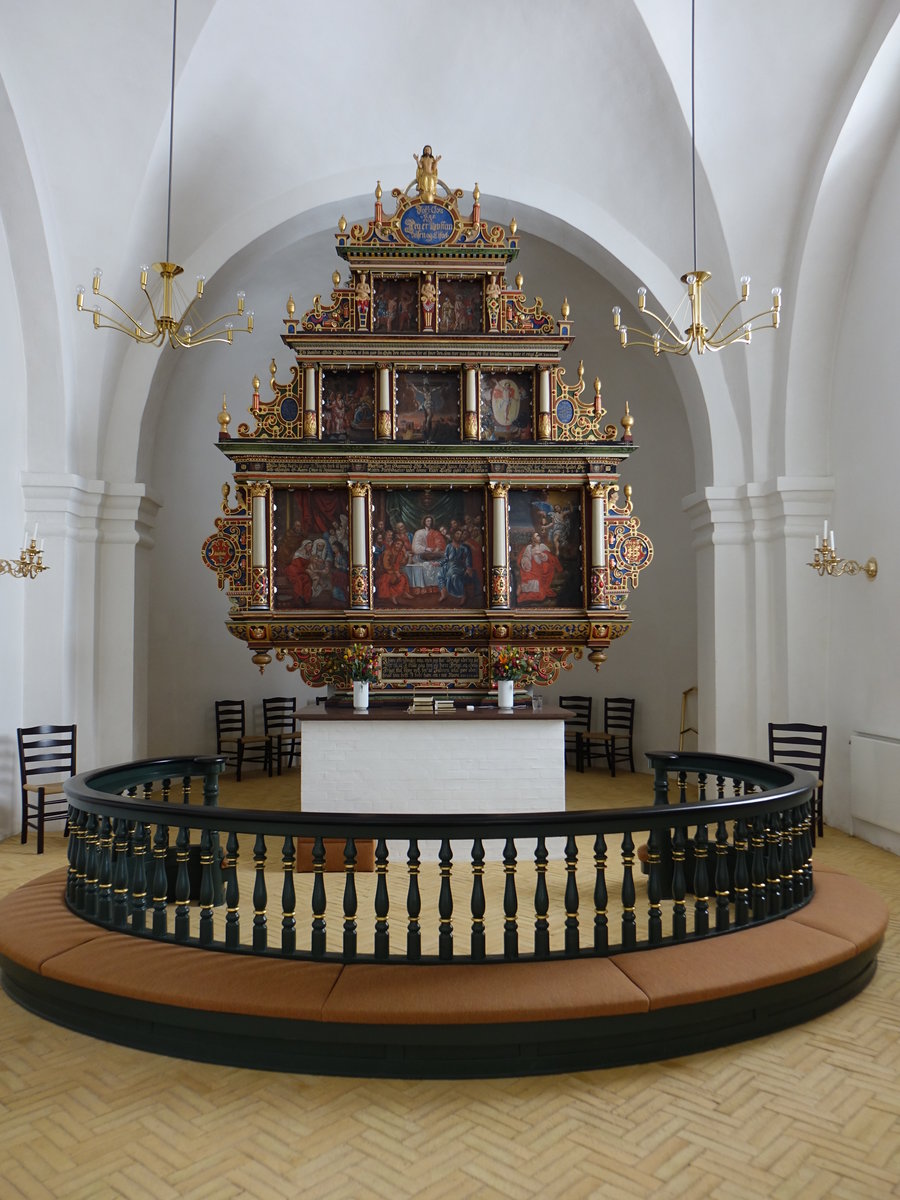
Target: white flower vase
pixel 360 695
pixel 505 691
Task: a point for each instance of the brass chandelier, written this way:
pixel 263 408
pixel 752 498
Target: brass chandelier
pixel 164 324
pixel 666 337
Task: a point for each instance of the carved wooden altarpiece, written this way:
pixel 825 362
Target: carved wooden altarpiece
pixel 427 481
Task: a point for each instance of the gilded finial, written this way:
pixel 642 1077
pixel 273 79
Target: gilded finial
pixel 336 278
pixel 581 369
pixel 256 383
pixel 513 226
pixel 565 309
pixel 627 424
pixel 597 385
pixel 290 306
pixel 342 224
pixel 476 194
pixel 520 279
pixel 378 190
pixel 224 417
pixel 273 370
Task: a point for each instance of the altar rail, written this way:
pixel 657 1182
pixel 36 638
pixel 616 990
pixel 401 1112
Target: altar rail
pixel 727 845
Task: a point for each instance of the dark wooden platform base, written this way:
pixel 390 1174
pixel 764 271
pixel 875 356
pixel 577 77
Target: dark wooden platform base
pixel 438 1021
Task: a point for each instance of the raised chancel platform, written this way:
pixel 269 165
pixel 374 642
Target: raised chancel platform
pixel 437 1021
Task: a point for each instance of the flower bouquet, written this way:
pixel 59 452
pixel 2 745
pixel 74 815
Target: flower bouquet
pixel 511 662
pixel 359 662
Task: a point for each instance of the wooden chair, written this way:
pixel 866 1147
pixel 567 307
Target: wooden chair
pixel 45 750
pixel 616 737
pixel 803 747
pixel 232 738
pixel 580 707
pixel 278 713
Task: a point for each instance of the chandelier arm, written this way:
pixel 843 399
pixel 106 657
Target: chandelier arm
pixel 138 332
pixel 201 329
pixel 738 333
pixel 642 338
pixel 666 324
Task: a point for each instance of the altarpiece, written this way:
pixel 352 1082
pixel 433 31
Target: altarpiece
pixel 427 481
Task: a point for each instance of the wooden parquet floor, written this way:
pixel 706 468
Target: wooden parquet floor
pixel 810 1112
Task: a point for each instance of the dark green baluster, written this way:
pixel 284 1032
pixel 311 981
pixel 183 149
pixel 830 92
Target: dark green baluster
pixel 660 785
pixel 139 842
pixel 601 896
pixel 72 855
pixel 186 790
pixel 260 896
pixel 682 787
pixel 445 903
pixel 206 888
pixel 679 884
pixel 720 787
pixel 382 901
pixel 787 863
pixel 92 866
pixel 80 861
pixel 182 884
pixel 773 865
pixel 541 901
pixel 165 789
pixel 160 888
pixel 808 817
pixel 413 904
pixel 741 874
pixel 288 898
pixel 701 881
pixel 478 902
pixel 629 925
pixel 104 872
pixel 120 874
pixel 510 901
pixel 758 868
pixel 722 881
pixel 318 898
pixel 701 787
pixel 797 855
pixel 350 901
pixel 232 892
pixel 654 889
pixel 572 934
pixel 211 800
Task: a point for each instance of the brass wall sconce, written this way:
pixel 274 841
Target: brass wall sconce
pixel 30 562
pixel 826 561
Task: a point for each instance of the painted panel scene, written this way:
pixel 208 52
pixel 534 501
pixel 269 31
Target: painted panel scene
pixel 428 548
pixel 460 308
pixel 428 406
pixel 396 306
pixel 312 548
pixel 544 544
pixel 348 406
pixel 507 406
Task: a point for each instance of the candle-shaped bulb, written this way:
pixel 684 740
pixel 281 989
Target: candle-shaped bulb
pixel 79 297
pixel 617 317
pixel 745 286
pixel 98 275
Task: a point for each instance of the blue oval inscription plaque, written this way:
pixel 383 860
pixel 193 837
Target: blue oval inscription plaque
pixel 426 224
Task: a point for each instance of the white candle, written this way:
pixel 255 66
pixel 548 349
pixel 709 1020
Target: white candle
pixel 832 541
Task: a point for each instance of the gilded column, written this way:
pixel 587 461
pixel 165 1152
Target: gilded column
pixel 543 424
pixel 499 545
pixel 259 545
pixel 597 589
pixel 470 417
pixel 310 396
pixel 384 425
pixel 359 561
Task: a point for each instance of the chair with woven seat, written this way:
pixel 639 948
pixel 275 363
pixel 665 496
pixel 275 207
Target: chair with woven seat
pixel 278 723
pixel 580 722
pixel 616 736
pixel 233 741
pixel 802 746
pixel 45 750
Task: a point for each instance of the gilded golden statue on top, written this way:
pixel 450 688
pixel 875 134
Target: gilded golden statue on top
pixel 426 174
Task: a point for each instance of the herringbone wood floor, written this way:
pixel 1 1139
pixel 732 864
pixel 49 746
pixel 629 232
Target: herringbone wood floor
pixel 810 1112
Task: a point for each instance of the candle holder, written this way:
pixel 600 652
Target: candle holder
pixel 28 565
pixel 826 562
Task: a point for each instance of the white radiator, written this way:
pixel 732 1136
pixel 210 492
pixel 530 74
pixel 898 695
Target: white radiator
pixel 875 780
